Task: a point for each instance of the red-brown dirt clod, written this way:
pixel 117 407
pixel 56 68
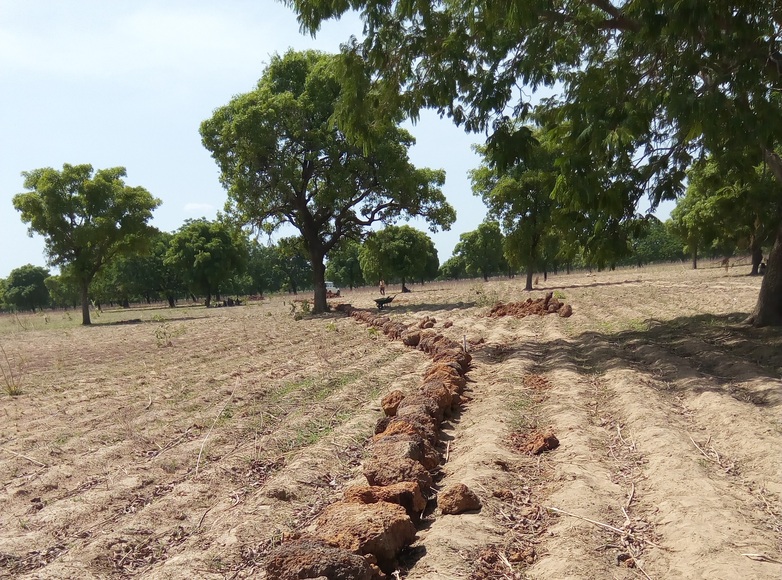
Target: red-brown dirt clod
pixel 391 401
pixel 387 470
pixel 542 442
pixel 406 493
pixel 299 559
pixel 381 529
pixel 546 305
pixel 457 499
pixel 409 446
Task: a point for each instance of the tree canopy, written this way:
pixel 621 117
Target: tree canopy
pixel 283 159
pixel 482 250
pixel 86 220
pixel 398 253
pixel 644 87
pixel 207 254
pixel 344 267
pixel 25 288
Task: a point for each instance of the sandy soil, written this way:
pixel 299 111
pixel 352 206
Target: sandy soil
pixel 187 443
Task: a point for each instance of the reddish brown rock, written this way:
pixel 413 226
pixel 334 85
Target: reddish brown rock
pixel 458 499
pixel 391 401
pixel 453 382
pixel 312 559
pixel 387 470
pixel 381 529
pixel 566 311
pixel 406 493
pixel 456 355
pixel 419 403
pixel 540 443
pixel 439 394
pixel 407 446
pixel 411 338
pixel 447 324
pixel 414 421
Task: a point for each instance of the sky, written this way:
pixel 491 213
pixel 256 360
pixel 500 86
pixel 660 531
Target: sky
pixel 129 83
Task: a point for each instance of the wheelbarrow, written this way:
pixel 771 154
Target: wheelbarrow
pixel 382 302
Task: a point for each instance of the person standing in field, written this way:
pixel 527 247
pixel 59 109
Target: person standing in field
pixel 383 287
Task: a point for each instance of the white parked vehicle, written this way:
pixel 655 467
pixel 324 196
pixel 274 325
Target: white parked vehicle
pixel 331 290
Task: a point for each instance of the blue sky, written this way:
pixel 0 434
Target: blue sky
pixel 128 84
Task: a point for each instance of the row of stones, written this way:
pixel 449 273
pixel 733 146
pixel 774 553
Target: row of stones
pixel 360 536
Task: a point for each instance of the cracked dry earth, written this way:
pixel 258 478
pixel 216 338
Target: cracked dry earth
pixel 190 443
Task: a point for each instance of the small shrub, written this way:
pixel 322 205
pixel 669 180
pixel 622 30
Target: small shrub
pixel 13 373
pixel 164 334
pixel 559 295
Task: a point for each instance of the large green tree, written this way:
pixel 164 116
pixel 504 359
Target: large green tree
pixel 86 219
pixel 25 288
pixel 283 159
pixel 645 86
pixel 520 196
pixel 398 253
pixel 207 254
pixel 482 250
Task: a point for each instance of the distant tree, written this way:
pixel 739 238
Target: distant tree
pixel 432 266
pixel 694 220
pixel 63 290
pixel 743 206
pixel 25 288
pixel 656 244
pixel 85 220
pixel 207 254
pixel 396 253
pixel 162 278
pixel 520 197
pixel 454 268
pixel 293 266
pixel 283 160
pixel 262 268
pixel 344 267
pixel 482 250
pixel 2 294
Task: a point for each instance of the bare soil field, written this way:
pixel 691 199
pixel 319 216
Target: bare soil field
pixel 190 443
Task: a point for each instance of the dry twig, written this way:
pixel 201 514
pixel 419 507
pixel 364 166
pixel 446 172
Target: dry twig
pixel 30 459
pixel 762 558
pixel 609 527
pixel 220 414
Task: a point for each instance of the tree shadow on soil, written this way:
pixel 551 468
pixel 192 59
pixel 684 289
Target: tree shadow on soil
pixel 702 353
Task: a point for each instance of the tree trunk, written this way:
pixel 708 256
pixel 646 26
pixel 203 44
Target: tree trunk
pixel 171 302
pixel 768 310
pixel 485 276
pixel 208 300
pixel 695 258
pixel 529 278
pixel 85 304
pixel 319 282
